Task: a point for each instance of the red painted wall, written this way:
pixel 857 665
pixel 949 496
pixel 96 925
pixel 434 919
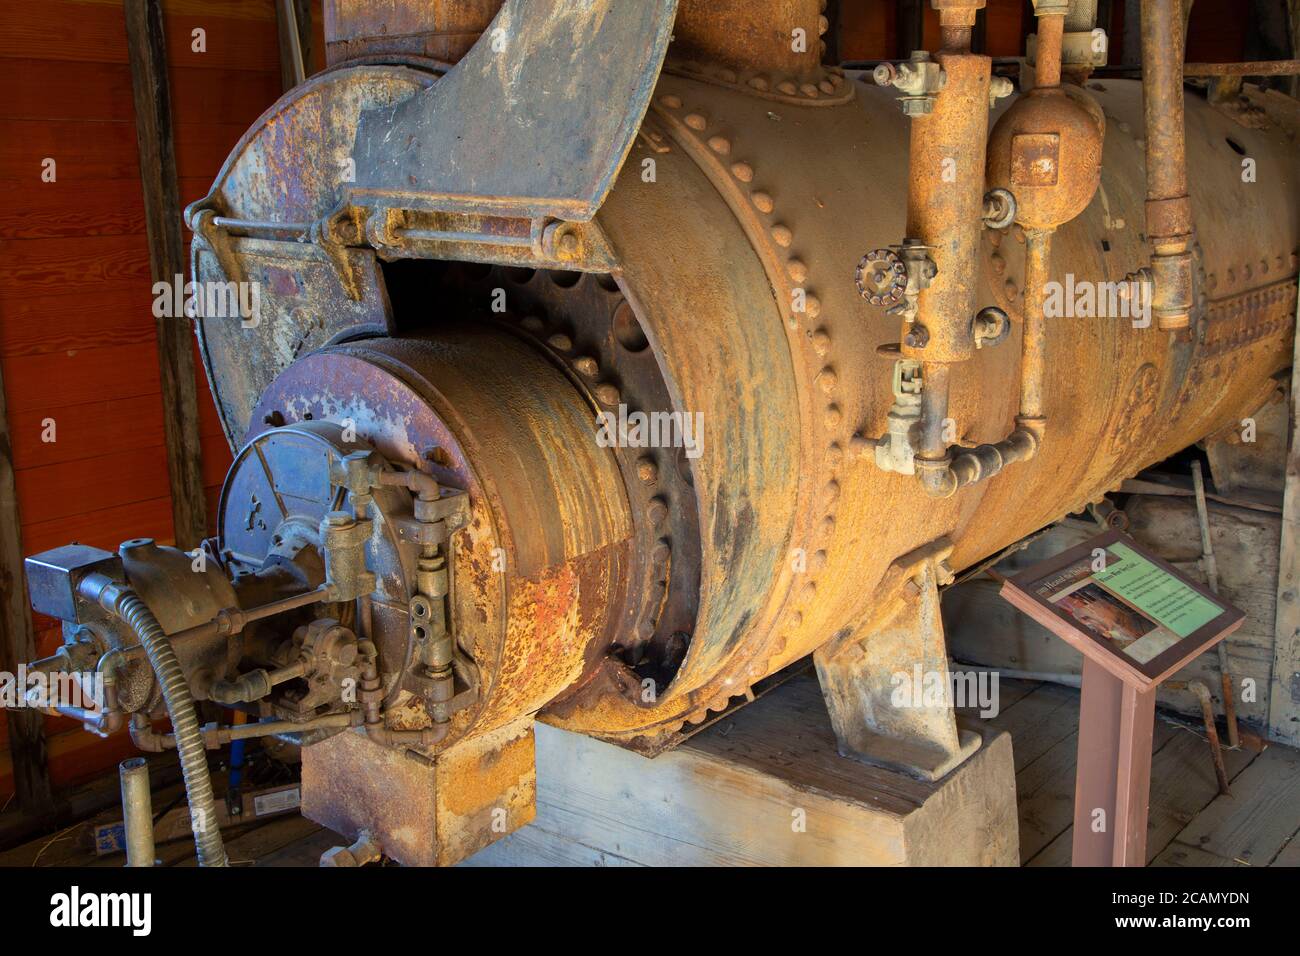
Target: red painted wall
pixel 77 338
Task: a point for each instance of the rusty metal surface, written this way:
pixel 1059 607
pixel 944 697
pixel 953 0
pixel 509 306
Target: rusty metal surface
pixel 441 30
pixel 288 169
pixel 703 261
pixel 1133 405
pixel 727 34
pixel 543 561
pixel 534 121
pixel 1046 149
pixel 1250 68
pixel 425 812
pixel 945 204
pixel 585 323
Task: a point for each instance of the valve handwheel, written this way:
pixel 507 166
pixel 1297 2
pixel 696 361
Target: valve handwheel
pixel 881 277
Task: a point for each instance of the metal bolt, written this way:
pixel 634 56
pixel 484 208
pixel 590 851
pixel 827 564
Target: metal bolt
pixel 742 171
pixel 560 341
pixel 607 393
pixel 696 122
pixel 586 365
pixel 657 510
pixel 797 270
pixel 762 202
pixel 782 235
pixel 647 470
pixel 917 336
pixel 720 145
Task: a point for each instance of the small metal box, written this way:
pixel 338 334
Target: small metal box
pixel 53 576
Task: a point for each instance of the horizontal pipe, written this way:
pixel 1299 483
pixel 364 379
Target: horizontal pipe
pixel 1249 68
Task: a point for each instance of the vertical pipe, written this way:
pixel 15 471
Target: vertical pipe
pixel 1162 99
pixel 1038 256
pixel 934 411
pixel 945 205
pixel 1047 58
pixel 137 811
pixel 1168 208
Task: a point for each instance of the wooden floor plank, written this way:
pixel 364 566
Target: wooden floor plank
pixel 1011 690
pixel 1039 721
pixel 1182 784
pixel 1290 855
pixel 1250 826
pixel 248 845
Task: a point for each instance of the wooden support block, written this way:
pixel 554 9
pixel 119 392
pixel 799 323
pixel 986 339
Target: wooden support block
pixel 763 787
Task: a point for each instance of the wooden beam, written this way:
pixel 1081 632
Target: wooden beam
pixel 738 794
pixel 1293 9
pixel 18 640
pixel 1284 696
pixel 147 53
pixel 293 23
pixel 910 31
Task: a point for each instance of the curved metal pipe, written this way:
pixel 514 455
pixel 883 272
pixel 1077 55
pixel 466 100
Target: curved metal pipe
pixel 122 602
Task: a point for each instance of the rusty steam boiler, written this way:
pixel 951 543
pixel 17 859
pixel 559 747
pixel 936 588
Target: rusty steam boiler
pixel 613 356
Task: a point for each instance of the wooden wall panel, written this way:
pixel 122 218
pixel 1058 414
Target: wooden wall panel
pixel 77 337
pixel 868 30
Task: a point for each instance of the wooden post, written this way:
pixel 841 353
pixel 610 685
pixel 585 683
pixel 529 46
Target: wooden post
pixel 18 640
pixel 911 27
pixel 1112 783
pixel 1284 694
pixel 147 51
pixel 293 24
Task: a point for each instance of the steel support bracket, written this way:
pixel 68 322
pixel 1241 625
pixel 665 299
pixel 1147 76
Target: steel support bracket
pixel 886 682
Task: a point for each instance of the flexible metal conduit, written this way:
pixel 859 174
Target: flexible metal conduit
pixel 127 606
